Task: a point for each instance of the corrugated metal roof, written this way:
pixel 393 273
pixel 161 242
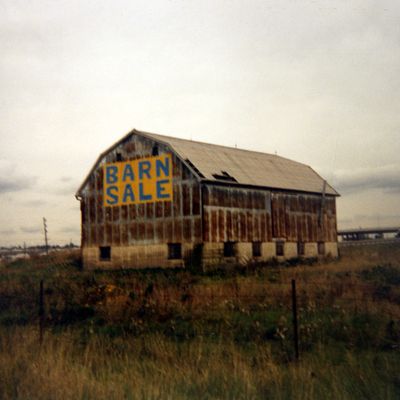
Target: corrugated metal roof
pixel 237 166
pixel 245 166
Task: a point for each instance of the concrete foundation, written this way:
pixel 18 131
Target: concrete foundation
pixel 207 255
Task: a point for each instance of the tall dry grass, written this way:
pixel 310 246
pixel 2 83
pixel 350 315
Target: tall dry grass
pixel 173 335
pixel 154 367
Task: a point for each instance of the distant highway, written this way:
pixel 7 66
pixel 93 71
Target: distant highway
pixel 368 242
pixel 363 233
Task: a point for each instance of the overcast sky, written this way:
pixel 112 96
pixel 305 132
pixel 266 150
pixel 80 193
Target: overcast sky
pixel 315 81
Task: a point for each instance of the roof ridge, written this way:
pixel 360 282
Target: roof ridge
pixel 219 145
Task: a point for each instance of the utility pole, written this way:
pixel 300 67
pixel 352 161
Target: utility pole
pixel 45 235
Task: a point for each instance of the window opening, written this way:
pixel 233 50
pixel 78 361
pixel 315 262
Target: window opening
pixel 300 248
pixel 224 176
pixel 105 253
pixel 229 249
pixel 174 251
pixel 321 248
pixel 280 248
pixel 256 249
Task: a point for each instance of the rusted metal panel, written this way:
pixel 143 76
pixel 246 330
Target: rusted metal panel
pixel 99 209
pixel 230 228
pixel 243 226
pixel 177 171
pixel 133 232
pixel 108 233
pixel 124 234
pixel 235 226
pixel 141 210
pixel 93 235
pixel 177 231
pixel 92 210
pixel 249 199
pixel 239 211
pixel 141 231
pixel 196 200
pixel 115 214
pixel 99 179
pixel 159 231
pixel 149 231
pixel 167 209
pixel 249 222
pixel 187 175
pixel 169 238
pixel 132 212
pixel 92 183
pixel 301 217
pixel 159 207
pixel 187 230
pixel 124 213
pixel 256 226
pixel 83 212
pixel 197 230
pixel 116 235
pixel 206 227
pixel 186 199
pixel 263 228
pixel 214 226
pixel 149 210
pixel 177 202
pixel 100 234
pixel 224 230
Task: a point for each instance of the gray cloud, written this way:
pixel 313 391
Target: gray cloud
pixel 7 232
pixel 68 189
pixel 70 229
pixel 375 219
pixel 30 229
pixel 11 180
pixel 66 179
pixel 7 186
pixel 34 203
pixel 386 177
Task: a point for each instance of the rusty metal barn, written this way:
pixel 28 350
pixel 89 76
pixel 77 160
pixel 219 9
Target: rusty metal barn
pixel 226 205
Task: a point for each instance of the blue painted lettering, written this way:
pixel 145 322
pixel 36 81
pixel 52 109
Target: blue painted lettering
pixel 142 195
pixel 162 166
pixel 128 194
pixel 113 196
pixel 111 174
pixel 160 189
pixel 128 173
pixel 144 169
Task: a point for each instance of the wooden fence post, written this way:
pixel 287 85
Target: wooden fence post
pixel 295 326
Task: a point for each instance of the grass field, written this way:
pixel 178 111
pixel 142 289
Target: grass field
pixel 218 335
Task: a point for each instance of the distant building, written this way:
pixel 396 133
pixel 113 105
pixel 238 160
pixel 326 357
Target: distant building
pixel 158 201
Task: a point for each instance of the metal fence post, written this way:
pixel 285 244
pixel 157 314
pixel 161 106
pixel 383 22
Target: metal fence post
pixel 295 326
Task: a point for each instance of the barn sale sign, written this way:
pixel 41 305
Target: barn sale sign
pixel 138 181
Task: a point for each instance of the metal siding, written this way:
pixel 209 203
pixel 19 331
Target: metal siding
pixel 235 214
pixel 202 212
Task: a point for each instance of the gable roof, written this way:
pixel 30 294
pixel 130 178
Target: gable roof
pixel 211 162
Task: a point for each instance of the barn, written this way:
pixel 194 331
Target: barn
pixel 156 201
